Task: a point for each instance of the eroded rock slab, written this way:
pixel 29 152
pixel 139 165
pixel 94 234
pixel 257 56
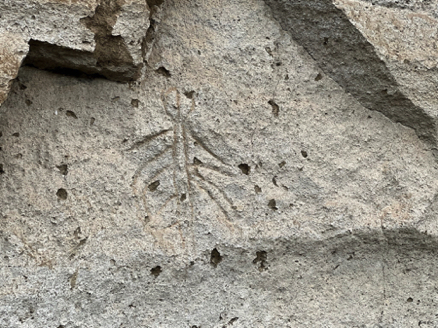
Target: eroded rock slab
pixel 95 37
pixel 356 42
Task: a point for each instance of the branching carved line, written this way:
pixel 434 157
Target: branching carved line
pixel 145 164
pixel 208 191
pixel 213 168
pixel 186 176
pixel 148 138
pixel 198 174
pixel 208 150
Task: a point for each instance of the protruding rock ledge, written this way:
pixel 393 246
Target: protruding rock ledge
pixel 103 37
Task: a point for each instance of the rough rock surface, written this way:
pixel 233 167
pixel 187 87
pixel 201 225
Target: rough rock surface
pixel 13 49
pixel 242 181
pixel 385 57
pixel 93 36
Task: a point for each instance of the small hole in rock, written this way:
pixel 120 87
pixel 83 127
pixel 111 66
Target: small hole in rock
pixel 16 134
pixel 156 271
pixel 410 300
pixel 274 181
pixel 163 71
pixel 261 257
pixel 63 169
pixel 215 257
pixel 28 102
pixel 92 120
pixel 183 197
pixel 326 40
pixel 196 161
pixel 272 204
pixel 244 168
pixel 69 113
pixel 318 77
pixel 62 194
pixel 257 189
pixel 135 102
pixel 283 163
pixel 189 94
pixel 275 107
pixel 1 169
pixel 304 153
pixel 278 64
pixel 233 320
pixel 154 185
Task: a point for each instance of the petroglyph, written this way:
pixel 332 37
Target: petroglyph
pixel 171 177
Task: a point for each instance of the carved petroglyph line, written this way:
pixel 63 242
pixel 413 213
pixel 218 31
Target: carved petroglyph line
pixel 173 184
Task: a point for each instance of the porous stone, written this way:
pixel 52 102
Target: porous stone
pixel 13 49
pixel 241 181
pixel 384 57
pixel 95 37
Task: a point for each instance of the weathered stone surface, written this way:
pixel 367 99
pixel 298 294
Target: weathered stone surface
pixel 96 37
pixel 238 183
pixel 13 49
pixel 356 43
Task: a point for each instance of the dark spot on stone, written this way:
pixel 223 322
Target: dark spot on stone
pixel 215 257
pixel 275 107
pixel 261 258
pixel 63 169
pixel 154 185
pixel 318 77
pixel 163 71
pixel 62 194
pixel 189 94
pixel 272 204
pixel 244 168
pixel 156 271
pixel 69 113
pixel 135 103
pixel 304 153
pixel 257 189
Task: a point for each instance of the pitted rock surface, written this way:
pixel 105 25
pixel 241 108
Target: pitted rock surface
pixel 254 175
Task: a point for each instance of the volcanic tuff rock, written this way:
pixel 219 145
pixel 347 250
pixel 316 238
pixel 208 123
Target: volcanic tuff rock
pixel 96 37
pixel 385 57
pixel 13 49
pixel 256 173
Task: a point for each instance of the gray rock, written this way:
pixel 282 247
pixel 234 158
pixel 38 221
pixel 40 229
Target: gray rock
pixel 384 57
pixel 239 182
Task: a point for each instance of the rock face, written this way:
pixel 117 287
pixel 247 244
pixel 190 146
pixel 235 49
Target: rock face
pixel 254 175
pixel 13 49
pixel 386 58
pixel 95 37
